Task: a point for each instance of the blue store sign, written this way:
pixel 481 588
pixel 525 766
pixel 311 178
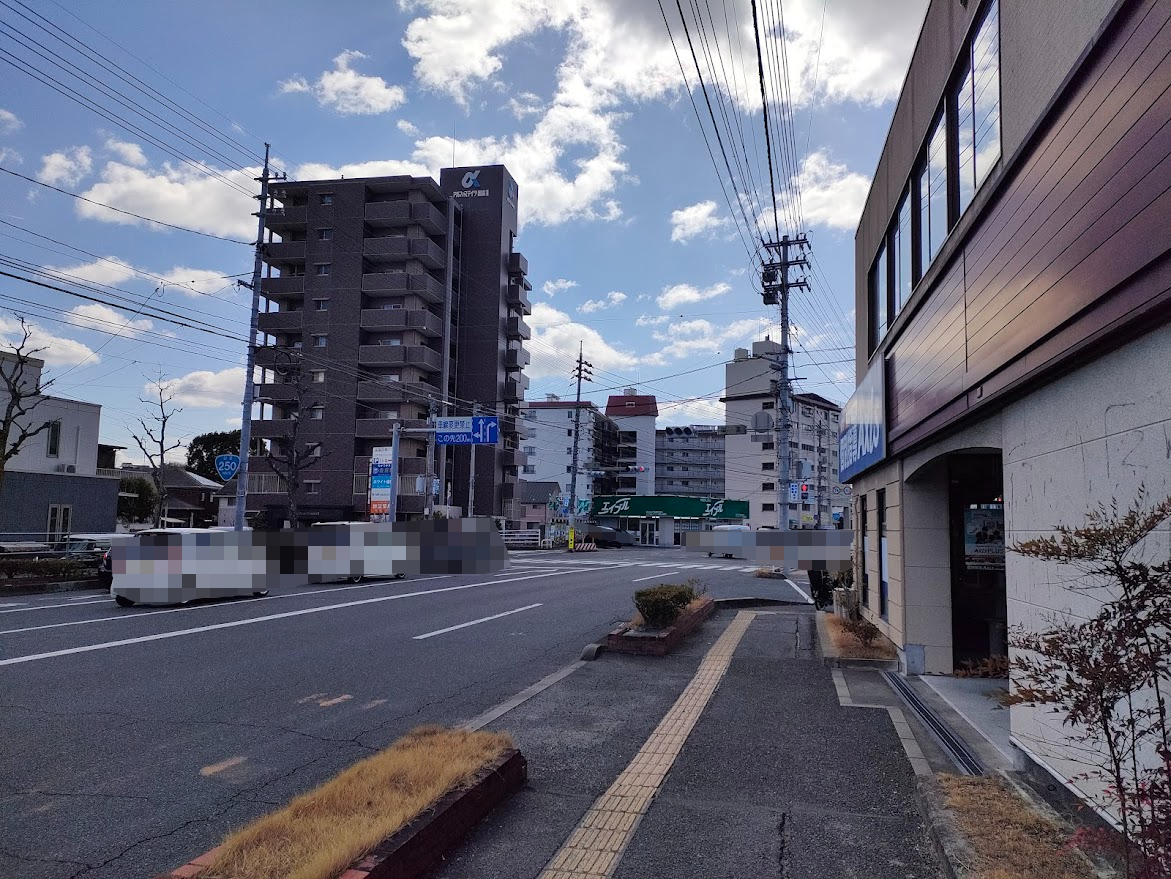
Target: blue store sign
pixel 862 436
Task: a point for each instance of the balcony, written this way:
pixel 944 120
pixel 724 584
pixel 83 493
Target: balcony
pixel 430 218
pixel 395 392
pixel 513 392
pixel 400 355
pixel 390 249
pixel 276 393
pixel 400 283
pixel 276 252
pixel 517 264
pixel 518 299
pixel 402 319
pixel 374 428
pixel 516 358
pixel 516 328
pixel 507 490
pixel 428 252
pixel 388 214
pixel 279 321
pixel 272 428
pixel 513 458
pixel 284 286
pixel 288 217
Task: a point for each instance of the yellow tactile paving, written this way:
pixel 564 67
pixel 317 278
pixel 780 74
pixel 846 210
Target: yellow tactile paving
pixel 594 848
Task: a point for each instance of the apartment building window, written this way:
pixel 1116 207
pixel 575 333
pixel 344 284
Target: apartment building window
pixel 768 404
pixel 325 198
pixel 317 376
pixel 529 415
pixel 325 234
pixel 530 450
pixel 569 431
pixel 528 469
pixel 53 449
pixel 568 468
pixel 321 304
pixel 314 449
pixel 316 413
pixel 322 268
pixel 768 508
pixel 312 486
pixel 768 486
pixel 768 465
pixel 390 343
pixel 319 341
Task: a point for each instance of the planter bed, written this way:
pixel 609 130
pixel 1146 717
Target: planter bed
pixel 660 642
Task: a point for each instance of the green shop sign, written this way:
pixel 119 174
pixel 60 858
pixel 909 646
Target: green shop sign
pixel 674 507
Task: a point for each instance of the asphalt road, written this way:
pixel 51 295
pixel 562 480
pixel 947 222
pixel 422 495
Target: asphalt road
pixel 132 739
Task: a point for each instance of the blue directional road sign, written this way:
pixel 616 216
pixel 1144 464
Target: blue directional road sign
pixel 478 430
pixel 226 466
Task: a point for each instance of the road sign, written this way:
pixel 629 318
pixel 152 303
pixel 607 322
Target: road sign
pixel 382 480
pixel 226 466
pixel 794 492
pixel 478 430
pixel 571 536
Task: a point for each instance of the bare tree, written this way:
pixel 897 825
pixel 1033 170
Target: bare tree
pixel 24 395
pixel 153 441
pixel 288 456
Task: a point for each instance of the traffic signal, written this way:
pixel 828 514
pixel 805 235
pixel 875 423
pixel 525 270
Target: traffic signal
pixel 630 468
pixel 804 491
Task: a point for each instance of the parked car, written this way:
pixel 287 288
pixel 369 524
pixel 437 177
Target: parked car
pixel 605 536
pixel 725 543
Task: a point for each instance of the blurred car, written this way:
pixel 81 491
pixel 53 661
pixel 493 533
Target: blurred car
pixel 604 536
pixel 105 571
pixel 88 547
pixel 725 528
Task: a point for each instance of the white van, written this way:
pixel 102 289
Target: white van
pixel 728 542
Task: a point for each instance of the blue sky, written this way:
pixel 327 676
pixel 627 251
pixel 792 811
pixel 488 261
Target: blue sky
pixel 630 240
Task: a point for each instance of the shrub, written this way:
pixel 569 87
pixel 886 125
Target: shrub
pixel 864 630
pixel 63 568
pixel 661 605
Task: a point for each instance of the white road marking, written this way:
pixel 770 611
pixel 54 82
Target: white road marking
pixel 653 576
pixel 494 616
pixel 725 568
pixel 800 591
pixel 151 613
pixel 746 570
pixel 161 636
pixel 53 606
pixel 14 604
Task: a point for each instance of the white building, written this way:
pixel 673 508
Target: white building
pixel 635 415
pixel 549 445
pixel 750 465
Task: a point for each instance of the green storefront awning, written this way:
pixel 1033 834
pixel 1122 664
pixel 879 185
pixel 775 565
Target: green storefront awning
pixel 653 507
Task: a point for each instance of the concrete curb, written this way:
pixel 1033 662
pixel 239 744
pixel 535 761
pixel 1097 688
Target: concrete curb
pixel 414 849
pixel 18 588
pixel 950 845
pixel 833 659
pixel 592 651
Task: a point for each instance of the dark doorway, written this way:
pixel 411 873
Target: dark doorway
pixel 979 602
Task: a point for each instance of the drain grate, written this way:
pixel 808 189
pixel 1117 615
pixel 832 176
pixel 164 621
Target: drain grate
pixel 959 752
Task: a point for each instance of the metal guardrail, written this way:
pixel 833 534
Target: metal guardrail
pixel 522 537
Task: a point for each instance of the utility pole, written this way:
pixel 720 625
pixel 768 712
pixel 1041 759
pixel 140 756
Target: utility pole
pixel 392 513
pixel 580 372
pixel 776 287
pixel 472 471
pixel 429 506
pixel 250 361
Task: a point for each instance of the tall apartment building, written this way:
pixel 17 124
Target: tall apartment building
pixel 385 300
pixel 751 456
pixel 1013 308
pixel 634 414
pixel 549 446
pixel 689 461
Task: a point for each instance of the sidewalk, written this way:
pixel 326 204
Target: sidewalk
pixel 775 777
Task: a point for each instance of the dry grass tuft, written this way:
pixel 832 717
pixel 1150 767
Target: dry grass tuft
pixel 849 647
pixel 768 574
pixel 1009 840
pixel 637 621
pixel 322 832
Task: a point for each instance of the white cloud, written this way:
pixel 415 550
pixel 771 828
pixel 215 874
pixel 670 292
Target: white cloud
pixel 645 321
pixel 347 91
pixel 376 168
pixel 113 271
pixel 181 195
pixel 524 104
pixel 66 168
pixel 612 300
pixel 696 219
pixel 130 153
pixel 93 316
pixel 204 389
pixel 680 413
pixel 560 285
pixel 554 333
pixel 407 128
pixel 685 294
pixel 233 422
pixel 11 155
pixel 9 122
pixel 690 338
pixel 58 350
pixel 831 194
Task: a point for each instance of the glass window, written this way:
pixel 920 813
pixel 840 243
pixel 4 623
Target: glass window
pixel 901 247
pixel 54 432
pixel 878 293
pixel 965 133
pixel 321 304
pixel 325 234
pixel 327 198
pixel 323 268
pixel 317 413
pixel 932 184
pixel 319 341
pixel 986 98
pixel 318 376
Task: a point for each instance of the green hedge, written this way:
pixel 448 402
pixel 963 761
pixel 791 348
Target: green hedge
pixel 64 569
pixel 661 605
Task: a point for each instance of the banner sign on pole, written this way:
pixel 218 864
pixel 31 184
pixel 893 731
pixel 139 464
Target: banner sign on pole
pixel 382 480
